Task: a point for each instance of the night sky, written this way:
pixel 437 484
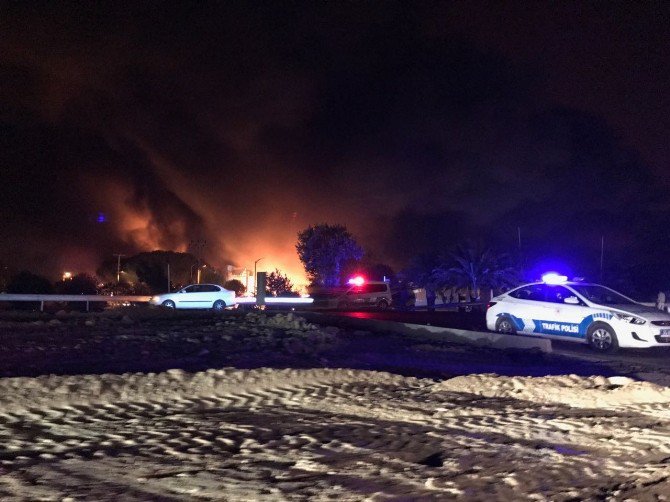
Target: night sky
pixel 127 128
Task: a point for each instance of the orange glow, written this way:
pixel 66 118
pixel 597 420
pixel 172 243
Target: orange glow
pixel 229 241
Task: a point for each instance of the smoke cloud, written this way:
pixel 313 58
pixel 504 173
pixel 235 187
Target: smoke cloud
pixel 132 129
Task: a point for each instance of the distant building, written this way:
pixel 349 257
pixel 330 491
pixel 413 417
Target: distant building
pixel 242 274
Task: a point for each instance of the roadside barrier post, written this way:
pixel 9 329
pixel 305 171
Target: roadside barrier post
pixel 261 282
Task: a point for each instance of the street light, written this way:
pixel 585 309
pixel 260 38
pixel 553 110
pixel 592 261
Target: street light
pixel 118 267
pixel 255 277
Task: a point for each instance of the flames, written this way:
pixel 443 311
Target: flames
pixel 271 245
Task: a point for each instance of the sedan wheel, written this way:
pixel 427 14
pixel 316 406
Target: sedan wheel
pixel 602 338
pixel 168 304
pixel 504 325
pixel 219 305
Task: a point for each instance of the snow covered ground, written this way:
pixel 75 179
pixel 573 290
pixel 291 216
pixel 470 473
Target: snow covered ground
pixel 271 407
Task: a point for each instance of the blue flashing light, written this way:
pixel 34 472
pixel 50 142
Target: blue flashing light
pixel 554 278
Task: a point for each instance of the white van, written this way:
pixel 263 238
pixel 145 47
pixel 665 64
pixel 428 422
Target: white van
pixel 366 294
pixel 369 294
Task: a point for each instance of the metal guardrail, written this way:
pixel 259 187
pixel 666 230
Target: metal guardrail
pixel 275 300
pixel 11 297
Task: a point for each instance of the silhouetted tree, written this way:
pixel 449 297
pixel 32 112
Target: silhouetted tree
pixel 5 276
pixel 324 250
pixel 124 288
pixel 474 266
pixel 279 284
pixel 153 274
pixel 80 284
pixel 25 283
pixel 235 285
pixel 150 268
pixel 422 274
pixel 210 274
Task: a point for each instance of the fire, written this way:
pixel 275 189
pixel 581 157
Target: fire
pixel 276 254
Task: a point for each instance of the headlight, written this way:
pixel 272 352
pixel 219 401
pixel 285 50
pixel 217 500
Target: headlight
pixel 628 318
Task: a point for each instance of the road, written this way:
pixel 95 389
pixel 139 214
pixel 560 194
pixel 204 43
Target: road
pixel 648 359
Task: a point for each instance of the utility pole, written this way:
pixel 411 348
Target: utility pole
pixel 168 276
pixel 602 256
pixel 521 260
pixel 118 267
pixel 195 247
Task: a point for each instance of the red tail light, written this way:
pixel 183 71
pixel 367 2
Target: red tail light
pixel 490 304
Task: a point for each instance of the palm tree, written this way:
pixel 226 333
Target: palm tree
pixel 474 266
pixel 422 273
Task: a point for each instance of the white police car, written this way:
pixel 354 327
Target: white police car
pixel 580 312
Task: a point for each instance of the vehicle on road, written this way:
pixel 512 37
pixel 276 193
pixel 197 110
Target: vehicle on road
pixel 580 312
pixel 197 296
pixel 357 295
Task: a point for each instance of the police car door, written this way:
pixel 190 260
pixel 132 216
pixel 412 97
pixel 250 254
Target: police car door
pixel 565 313
pixel 528 308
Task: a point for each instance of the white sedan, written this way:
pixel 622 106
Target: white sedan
pixel 197 296
pixel 575 311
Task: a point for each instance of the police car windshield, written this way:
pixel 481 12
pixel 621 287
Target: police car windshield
pixel 601 295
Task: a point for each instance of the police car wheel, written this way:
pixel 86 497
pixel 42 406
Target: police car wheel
pixel 505 325
pixel 382 305
pixel 219 305
pixel 168 304
pixel 601 337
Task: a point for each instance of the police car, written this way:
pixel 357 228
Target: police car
pixel 580 312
